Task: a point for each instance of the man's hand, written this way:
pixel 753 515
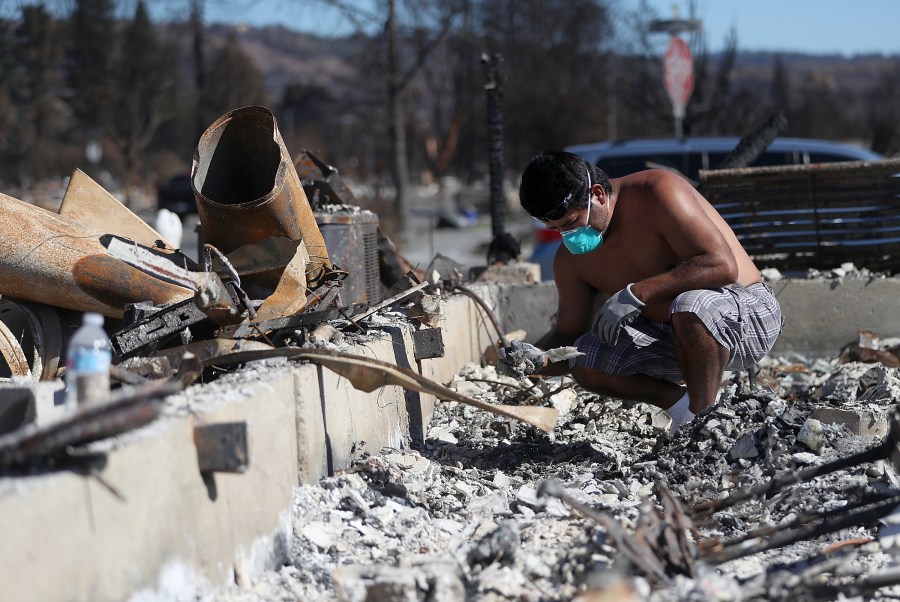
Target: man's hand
pixel 619 310
pixel 519 359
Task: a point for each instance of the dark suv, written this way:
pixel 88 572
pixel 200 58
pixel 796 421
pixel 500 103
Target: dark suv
pixel 690 155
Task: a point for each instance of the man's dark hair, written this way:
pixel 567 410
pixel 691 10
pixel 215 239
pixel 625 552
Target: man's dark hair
pixel 552 176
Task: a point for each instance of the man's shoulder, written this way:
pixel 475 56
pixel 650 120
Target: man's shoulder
pixel 652 187
pixel 650 179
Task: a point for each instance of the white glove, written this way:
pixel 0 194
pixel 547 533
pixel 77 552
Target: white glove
pixel 519 359
pixel 619 310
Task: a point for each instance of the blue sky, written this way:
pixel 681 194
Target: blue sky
pixel 815 26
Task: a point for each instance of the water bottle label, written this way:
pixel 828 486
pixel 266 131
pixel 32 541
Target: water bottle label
pixel 90 360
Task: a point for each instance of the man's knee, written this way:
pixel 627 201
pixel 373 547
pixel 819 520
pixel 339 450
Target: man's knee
pixel 685 319
pixel 687 324
pixel 692 333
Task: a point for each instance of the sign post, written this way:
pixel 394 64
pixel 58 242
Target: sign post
pixel 678 75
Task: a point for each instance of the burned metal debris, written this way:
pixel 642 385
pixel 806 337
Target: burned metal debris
pixel 263 264
pixel 267 281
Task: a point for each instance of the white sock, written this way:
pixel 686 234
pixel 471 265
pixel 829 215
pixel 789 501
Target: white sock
pixel 680 413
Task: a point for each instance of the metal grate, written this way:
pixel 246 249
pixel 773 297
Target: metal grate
pixel 821 215
pixel 373 268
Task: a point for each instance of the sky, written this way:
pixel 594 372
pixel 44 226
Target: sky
pixel 810 26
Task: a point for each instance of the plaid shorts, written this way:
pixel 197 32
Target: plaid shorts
pixel 744 320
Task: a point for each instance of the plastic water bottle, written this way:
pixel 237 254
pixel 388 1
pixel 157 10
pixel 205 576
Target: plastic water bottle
pixel 87 363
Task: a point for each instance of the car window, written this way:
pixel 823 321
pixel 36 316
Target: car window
pixel 828 158
pixel 769 158
pixel 766 159
pixel 622 166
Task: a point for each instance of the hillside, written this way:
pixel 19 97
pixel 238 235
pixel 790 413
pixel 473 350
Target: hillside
pixel 285 56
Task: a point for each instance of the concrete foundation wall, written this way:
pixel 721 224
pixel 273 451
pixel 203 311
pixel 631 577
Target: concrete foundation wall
pixel 821 316
pixel 72 537
pixel 155 522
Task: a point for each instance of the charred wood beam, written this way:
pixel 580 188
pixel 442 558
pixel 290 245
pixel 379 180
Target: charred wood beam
pixel 752 146
pixel 763 543
pixel 888 449
pixel 50 445
pixel 504 247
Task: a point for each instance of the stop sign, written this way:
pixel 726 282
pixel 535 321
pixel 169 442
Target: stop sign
pixel 678 73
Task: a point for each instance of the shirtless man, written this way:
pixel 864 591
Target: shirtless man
pixel 685 300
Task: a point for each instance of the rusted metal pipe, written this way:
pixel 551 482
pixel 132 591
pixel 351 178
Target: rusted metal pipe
pixel 50 259
pixel 247 189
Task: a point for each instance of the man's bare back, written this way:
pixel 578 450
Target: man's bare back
pixel 658 221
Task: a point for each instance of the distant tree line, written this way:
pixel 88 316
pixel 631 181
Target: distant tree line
pixel 90 90
pixel 413 104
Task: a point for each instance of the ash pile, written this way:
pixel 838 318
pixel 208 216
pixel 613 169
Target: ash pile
pixel 786 489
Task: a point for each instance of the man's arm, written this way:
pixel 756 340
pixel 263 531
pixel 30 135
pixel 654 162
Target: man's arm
pixel 706 259
pixel 576 302
pixel 574 312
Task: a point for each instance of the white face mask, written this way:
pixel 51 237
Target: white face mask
pixel 584 239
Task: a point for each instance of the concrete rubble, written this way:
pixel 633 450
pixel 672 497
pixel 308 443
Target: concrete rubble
pixel 460 518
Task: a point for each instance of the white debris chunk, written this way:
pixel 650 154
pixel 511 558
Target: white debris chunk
pixel 811 434
pixel 560 354
pixel 770 274
pixel 320 534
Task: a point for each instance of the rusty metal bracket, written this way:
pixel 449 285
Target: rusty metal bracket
pixel 155 328
pixel 222 447
pixel 249 330
pixel 428 343
pixel 321 182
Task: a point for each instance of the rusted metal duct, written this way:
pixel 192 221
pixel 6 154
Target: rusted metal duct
pixel 50 259
pixel 247 189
